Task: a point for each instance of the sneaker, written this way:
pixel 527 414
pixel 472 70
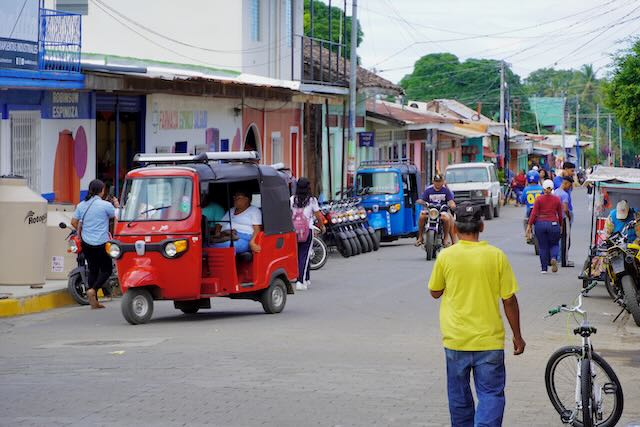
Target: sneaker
pixel 301 286
pixel 554 265
pixel 307 283
pixel 544 272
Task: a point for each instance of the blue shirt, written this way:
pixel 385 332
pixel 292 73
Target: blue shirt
pixel 618 224
pixel 557 182
pixel 529 196
pixel 565 197
pixel 95 226
pixel 436 197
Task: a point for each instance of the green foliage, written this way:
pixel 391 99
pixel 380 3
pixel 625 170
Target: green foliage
pixel 442 75
pixel 623 92
pixel 321 25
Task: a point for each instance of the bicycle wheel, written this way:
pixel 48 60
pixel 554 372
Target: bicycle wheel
pixel 560 379
pixel 586 390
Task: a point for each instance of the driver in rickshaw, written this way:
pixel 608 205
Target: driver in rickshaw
pixel 437 194
pixel 619 217
pixel 241 223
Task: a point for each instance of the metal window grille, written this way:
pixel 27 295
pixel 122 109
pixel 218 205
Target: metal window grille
pixel 60 40
pixel 25 146
pixel 255 20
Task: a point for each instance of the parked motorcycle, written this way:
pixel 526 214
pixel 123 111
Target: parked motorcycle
pixel 433 233
pixel 623 269
pixel 348 228
pixel 78 281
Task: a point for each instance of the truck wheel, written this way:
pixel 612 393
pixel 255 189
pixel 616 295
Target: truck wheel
pixel 488 212
pixel 137 306
pixel 78 289
pixel 274 297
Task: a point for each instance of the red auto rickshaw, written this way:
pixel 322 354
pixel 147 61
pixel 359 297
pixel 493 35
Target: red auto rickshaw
pixel 162 241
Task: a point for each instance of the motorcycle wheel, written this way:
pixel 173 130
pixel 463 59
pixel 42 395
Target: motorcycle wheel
pixel 611 288
pixel 379 237
pixel 78 289
pixel 374 239
pixel 355 244
pixel 369 240
pixel 631 298
pixel 344 246
pixel 363 241
pixel 319 255
pixel 430 244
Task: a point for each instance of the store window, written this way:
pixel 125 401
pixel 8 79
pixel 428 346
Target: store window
pixel 277 149
pixel 25 146
pixel 255 20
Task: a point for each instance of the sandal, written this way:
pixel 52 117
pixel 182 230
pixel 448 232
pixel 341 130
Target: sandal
pixel 418 243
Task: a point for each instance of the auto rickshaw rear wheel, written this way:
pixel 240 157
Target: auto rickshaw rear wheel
pixel 274 298
pixel 137 306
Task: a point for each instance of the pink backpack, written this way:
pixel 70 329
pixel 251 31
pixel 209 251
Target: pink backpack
pixel 301 224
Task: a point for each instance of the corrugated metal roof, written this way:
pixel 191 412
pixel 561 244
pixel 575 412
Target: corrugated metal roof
pixel 406 115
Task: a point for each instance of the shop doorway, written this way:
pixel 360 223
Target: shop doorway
pixel 119 136
pixel 252 140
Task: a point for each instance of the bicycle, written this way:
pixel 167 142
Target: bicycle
pixel 584 401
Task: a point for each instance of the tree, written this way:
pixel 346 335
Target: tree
pixel 321 26
pixel 442 75
pixel 623 92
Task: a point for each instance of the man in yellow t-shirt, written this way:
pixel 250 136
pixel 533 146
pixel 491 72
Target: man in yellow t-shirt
pixel 471 277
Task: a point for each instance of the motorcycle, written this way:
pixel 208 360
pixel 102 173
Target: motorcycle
pixel 348 228
pixel 78 281
pixel 433 233
pixel 623 270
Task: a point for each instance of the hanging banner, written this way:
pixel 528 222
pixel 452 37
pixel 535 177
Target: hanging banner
pixel 19 34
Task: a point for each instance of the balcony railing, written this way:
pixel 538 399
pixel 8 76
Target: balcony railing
pixel 323 62
pixel 60 41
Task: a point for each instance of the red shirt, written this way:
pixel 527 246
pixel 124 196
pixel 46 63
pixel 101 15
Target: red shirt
pixel 547 207
pixel 521 180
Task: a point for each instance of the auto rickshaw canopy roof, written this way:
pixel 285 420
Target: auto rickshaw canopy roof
pixel 614 175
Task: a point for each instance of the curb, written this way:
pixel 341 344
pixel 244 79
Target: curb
pixel 35 304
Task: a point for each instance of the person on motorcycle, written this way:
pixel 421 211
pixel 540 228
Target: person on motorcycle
pixel 437 194
pixel 531 192
pixel 518 185
pixel 621 216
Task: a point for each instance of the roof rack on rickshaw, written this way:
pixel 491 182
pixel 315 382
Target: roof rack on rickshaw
pixel 403 161
pixel 205 157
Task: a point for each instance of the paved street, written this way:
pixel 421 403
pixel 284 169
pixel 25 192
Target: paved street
pixel 360 348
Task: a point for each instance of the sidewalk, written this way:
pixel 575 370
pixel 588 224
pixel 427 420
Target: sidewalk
pixel 19 300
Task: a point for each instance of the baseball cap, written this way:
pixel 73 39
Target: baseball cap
pixel 438 177
pixel 468 212
pixel 547 184
pixel 622 209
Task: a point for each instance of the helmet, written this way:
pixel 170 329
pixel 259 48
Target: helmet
pixel 533 177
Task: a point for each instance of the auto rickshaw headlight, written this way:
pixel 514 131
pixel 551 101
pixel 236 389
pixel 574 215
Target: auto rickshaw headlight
pixel 174 248
pixel 394 208
pixel 114 250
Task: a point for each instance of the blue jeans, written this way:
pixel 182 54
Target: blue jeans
pixel 548 235
pixel 241 245
pixel 489 378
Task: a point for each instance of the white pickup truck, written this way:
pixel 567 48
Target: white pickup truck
pixel 477 183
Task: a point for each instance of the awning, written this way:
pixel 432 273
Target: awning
pixel 542 151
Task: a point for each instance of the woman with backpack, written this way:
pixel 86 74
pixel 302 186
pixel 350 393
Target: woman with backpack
pixel 304 207
pixel 91 219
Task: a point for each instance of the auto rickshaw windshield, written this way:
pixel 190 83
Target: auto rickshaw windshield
pixel 378 183
pixel 153 199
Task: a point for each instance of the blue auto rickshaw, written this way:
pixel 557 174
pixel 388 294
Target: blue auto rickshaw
pixel 389 190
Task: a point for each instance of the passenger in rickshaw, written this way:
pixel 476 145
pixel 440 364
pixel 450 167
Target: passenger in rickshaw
pixel 621 216
pixel 241 223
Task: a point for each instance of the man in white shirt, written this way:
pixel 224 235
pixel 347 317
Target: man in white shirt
pixel 245 219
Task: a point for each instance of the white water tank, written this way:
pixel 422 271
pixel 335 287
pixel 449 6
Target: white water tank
pixel 23 233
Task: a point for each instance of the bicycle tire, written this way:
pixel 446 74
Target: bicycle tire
pixel 586 390
pixel 575 351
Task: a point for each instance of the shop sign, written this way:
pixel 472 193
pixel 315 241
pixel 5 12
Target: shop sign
pixel 190 119
pixel 366 139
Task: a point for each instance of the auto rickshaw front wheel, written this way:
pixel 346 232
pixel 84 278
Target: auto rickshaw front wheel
pixel 137 306
pixel 274 298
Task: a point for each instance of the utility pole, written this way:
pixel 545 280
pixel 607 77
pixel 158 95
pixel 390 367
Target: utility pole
pixel 501 147
pixel 597 134
pixel 564 125
pixel 609 139
pixel 620 139
pixel 578 130
pixel 351 152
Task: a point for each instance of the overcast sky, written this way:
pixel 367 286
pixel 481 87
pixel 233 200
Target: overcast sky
pixel 398 32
